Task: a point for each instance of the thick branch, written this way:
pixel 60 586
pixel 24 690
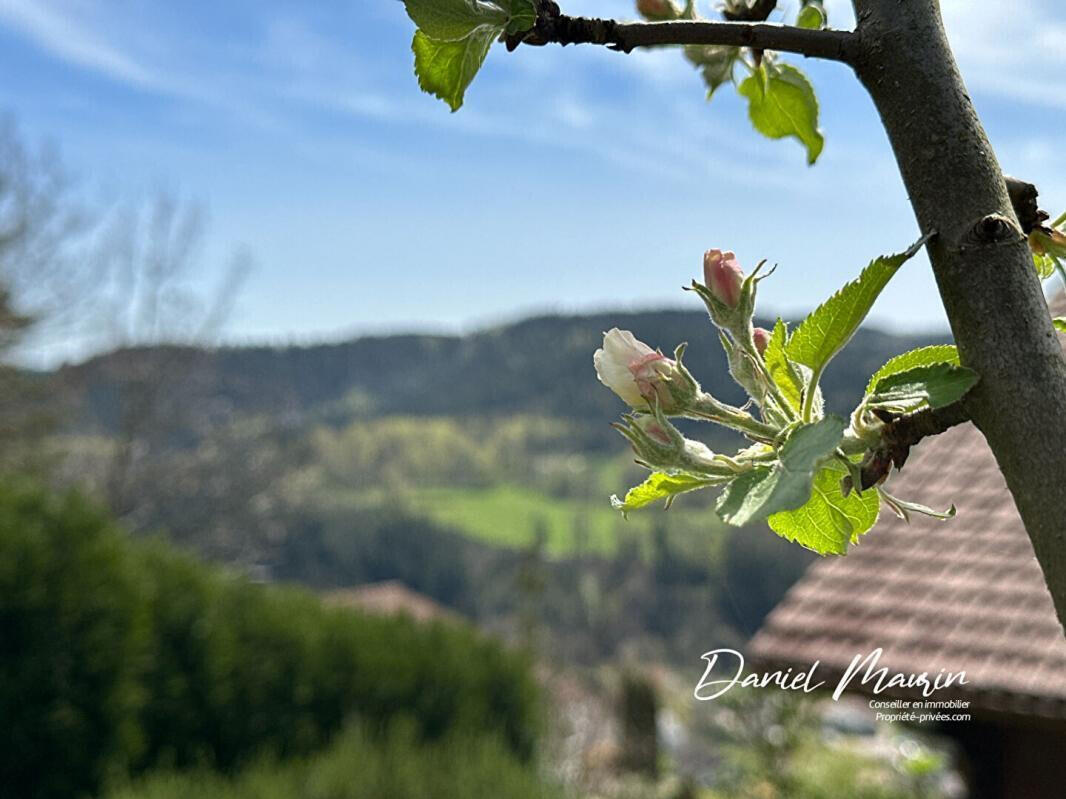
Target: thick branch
pixel 555 27
pixel 981 261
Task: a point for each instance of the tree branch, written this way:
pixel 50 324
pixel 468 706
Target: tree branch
pixel 991 293
pixel 1023 197
pixel 553 27
pixel 900 433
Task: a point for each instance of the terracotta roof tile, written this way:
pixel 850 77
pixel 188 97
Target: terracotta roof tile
pixel 390 598
pixel 966 594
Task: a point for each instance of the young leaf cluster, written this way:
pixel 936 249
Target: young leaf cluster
pixel 1048 245
pixel 801 473
pixel 781 100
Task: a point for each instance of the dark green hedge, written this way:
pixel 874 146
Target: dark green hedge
pixel 117 657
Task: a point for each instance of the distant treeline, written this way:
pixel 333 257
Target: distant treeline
pixel 119 656
pixel 539 366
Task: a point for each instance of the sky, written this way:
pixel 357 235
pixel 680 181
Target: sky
pixel 572 179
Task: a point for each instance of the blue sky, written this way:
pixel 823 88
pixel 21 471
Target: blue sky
pixel 573 178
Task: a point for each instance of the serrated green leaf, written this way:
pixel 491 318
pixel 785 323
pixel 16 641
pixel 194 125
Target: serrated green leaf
pixel 763 491
pixel 715 63
pixel 781 103
pixel 923 356
pixel 660 486
pixel 1059 323
pixel 828 521
pixel 831 325
pixel 782 370
pixel 734 501
pixel 933 386
pixel 445 69
pixel 811 442
pixel 812 16
pixel 452 20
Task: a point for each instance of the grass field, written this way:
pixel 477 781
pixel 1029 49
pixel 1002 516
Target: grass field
pixel 510 516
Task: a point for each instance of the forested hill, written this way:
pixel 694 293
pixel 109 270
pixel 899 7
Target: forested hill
pixel 540 365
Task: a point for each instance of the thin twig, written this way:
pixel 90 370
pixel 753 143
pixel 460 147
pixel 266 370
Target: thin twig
pixel 555 27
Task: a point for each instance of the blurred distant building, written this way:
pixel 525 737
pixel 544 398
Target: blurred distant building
pixel 390 598
pixel 965 594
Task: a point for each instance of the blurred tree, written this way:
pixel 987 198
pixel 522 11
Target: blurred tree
pixel 21 425
pixel 143 262
pixel 530 584
pixel 38 222
pixel 72 643
pixel 638 711
pixel 118 276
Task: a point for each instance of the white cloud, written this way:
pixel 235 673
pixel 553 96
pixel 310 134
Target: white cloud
pixel 63 36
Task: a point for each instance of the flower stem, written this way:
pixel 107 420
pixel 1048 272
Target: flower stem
pixel 808 397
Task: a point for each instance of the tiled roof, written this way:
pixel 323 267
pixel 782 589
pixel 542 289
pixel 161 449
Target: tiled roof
pixel 965 594
pixel 390 598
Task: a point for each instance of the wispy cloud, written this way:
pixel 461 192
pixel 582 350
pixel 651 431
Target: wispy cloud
pixel 63 36
pixel 75 34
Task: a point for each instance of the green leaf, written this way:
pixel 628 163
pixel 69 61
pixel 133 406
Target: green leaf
pixel 735 503
pixel 1045 265
pixel 781 103
pixel 812 16
pixel 660 486
pixel 765 490
pixel 923 356
pixel 715 63
pixel 792 378
pixel 831 325
pixel 812 442
pixel 934 386
pixel 452 20
pixel 1060 323
pixel 445 69
pixel 829 521
pixel 782 370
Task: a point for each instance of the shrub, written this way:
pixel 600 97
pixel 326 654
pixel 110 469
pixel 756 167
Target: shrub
pixel 122 656
pixel 360 765
pixel 73 637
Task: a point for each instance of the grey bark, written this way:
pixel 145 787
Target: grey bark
pixel 981 261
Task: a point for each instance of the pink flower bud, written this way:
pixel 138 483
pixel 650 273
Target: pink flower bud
pixel 648 372
pixel 641 376
pixel 630 368
pixel 762 339
pixel 723 276
pixel 655 431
